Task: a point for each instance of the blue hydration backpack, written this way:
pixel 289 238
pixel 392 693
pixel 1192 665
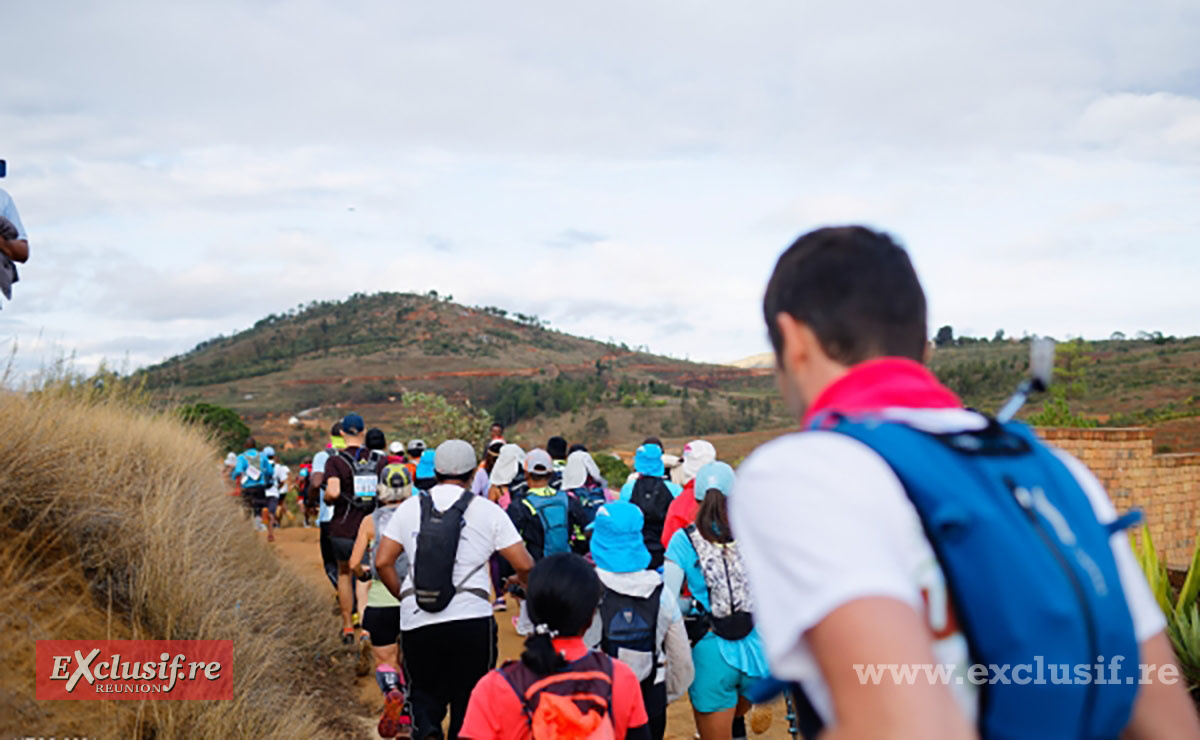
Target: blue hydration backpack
pixel 590 498
pixel 1029 568
pixel 551 507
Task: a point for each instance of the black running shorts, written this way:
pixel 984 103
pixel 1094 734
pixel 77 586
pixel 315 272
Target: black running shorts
pixel 382 623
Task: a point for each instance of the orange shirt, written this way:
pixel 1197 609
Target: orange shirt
pixel 495 712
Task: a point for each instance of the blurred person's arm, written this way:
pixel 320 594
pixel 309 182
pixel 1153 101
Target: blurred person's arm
pixel 366 533
pixel 333 489
pixel 881 630
pixel 13 243
pixel 16 250
pixel 385 559
pixel 520 559
pixel 1163 709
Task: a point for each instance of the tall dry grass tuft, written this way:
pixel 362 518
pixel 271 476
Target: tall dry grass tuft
pixel 114 523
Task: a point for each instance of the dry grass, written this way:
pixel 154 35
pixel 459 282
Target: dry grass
pixel 115 524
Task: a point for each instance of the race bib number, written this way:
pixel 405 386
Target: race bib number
pixel 253 473
pixel 365 486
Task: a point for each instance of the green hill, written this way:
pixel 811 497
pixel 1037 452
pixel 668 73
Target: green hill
pixel 368 350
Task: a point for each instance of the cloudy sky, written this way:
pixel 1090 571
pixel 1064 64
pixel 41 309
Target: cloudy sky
pixel 626 170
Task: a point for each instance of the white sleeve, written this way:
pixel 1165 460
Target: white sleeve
pixel 504 532
pixel 821 521
pixel 1148 619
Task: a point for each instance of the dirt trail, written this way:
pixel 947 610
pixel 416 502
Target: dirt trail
pixel 298 548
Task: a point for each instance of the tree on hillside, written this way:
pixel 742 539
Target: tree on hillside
pixel 226 427
pixel 944 336
pixel 998 336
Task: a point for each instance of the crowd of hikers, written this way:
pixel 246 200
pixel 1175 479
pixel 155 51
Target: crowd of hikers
pixel 897 528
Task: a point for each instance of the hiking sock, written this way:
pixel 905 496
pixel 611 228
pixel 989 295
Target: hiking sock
pixel 387 678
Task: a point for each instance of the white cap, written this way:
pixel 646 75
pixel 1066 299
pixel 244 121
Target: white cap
pixel 396 447
pixel 454 457
pixel 539 462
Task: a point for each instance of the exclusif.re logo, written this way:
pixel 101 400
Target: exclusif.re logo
pixel 134 669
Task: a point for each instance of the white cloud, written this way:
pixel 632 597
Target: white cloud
pixel 184 169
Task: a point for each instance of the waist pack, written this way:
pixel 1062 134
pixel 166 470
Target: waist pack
pixel 574 703
pixel 651 495
pixel 437 551
pixel 629 630
pixel 1030 571
pixel 551 509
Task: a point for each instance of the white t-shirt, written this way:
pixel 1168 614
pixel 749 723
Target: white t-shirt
pixel 324 510
pixel 486 529
pixel 279 484
pixel 822 520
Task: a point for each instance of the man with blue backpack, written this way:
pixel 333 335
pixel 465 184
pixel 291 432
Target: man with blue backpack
pixel 545 516
pixel 901 531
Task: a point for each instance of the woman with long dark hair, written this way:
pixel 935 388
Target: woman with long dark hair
pixel 727 652
pixel 559 688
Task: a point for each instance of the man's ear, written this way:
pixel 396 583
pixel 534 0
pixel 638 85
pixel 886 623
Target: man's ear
pixel 798 342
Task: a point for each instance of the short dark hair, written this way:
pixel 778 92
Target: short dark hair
pixel 498 424
pixel 856 289
pixel 375 439
pixel 653 441
pixel 251 444
pixel 336 429
pixel 557 448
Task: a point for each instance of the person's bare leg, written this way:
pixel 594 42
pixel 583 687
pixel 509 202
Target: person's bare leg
pixel 386 655
pixel 267 521
pixel 345 593
pixel 715 725
pixel 361 588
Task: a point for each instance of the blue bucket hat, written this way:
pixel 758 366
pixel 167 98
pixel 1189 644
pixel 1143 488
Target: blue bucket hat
pixel 617 544
pixel 716 475
pixel 425 467
pixel 648 461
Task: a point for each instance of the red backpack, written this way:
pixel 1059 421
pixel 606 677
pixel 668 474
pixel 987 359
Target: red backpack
pixel 574 703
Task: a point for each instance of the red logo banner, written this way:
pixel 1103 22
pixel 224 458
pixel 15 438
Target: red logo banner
pixel 134 669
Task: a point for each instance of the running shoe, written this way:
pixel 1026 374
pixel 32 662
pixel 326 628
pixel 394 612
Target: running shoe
pixel 396 720
pixel 348 636
pixel 500 605
pixel 270 536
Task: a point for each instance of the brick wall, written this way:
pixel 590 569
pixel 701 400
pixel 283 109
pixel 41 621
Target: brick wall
pixel 1165 487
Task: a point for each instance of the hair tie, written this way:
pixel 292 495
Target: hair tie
pixel 544 629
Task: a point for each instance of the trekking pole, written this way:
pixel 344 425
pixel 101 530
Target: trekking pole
pixel 1041 368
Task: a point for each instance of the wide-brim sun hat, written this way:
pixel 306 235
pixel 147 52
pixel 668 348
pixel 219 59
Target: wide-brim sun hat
pixel 617 542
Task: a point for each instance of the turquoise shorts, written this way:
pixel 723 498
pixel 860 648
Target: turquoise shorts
pixel 718 684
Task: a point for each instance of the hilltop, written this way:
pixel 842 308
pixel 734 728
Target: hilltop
pixel 368 350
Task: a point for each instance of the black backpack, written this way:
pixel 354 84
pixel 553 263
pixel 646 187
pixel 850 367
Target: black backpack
pixel 365 476
pixel 437 550
pixel 651 495
pixel 630 630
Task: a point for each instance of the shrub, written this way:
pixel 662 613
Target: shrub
pixel 612 468
pixel 1181 610
pixel 115 524
pixel 226 427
